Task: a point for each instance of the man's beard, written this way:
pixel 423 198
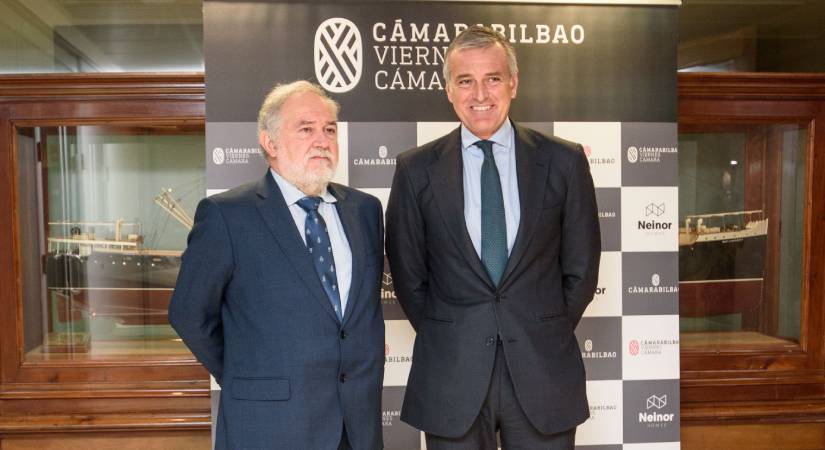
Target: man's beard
pixel 312 182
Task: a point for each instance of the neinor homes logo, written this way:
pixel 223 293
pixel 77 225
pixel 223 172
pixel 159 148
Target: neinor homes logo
pixel 339 55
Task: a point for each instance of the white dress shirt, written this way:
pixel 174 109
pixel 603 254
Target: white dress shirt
pixel 340 245
pixel 504 152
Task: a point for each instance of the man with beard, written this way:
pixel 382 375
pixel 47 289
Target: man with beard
pixel 279 291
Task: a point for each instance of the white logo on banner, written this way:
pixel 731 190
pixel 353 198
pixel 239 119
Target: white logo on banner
pixel 588 345
pixel 382 151
pixel 218 156
pixel 338 55
pixel 657 402
pixel 654 280
pixel 632 154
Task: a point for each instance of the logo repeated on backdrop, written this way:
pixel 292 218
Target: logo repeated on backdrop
pixel 651 347
pixel 609 201
pixel 397 434
pixel 389 302
pixel 651 411
pixel 608 298
pixel 600 344
pixel 601 141
pixel 604 427
pixel 649 219
pixel 373 149
pixel 650 283
pixel 399 338
pixel 650 154
pixel 384 67
pixel 233 155
pixel 339 55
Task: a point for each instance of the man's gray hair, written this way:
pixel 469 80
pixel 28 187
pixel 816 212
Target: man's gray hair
pixel 269 116
pixel 477 36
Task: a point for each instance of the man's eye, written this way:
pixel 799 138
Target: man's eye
pixel 304 130
pixel 495 79
pixel 464 82
pixel 332 130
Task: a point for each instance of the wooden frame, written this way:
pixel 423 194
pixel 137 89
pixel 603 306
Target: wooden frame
pixel 158 394
pixel 779 383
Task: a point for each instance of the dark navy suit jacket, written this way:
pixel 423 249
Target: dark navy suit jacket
pixel 250 306
pixel 456 310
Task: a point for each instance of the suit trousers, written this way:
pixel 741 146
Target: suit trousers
pixel 344 445
pixel 502 413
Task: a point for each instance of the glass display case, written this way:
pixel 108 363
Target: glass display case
pixel 101 175
pixel 752 256
pixel 114 206
pixel 742 190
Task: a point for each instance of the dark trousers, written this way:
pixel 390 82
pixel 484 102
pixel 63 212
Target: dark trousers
pixel 344 445
pixel 501 412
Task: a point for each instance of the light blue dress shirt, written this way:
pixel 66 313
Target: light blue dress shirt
pixel 340 245
pixel 504 152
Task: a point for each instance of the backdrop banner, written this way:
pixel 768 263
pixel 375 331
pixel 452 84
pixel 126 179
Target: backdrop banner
pixel 600 75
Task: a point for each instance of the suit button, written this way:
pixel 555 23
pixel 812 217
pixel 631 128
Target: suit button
pixel 343 378
pixel 343 334
pixel 491 341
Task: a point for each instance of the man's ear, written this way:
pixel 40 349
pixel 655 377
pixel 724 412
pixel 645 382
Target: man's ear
pixel 267 144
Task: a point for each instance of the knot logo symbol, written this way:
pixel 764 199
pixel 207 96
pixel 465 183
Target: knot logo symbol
pixel 339 56
pixel 632 154
pixel 218 156
pixel 656 402
pixel 382 151
pixel 654 280
pixel 588 345
pixel 633 347
pixel 654 209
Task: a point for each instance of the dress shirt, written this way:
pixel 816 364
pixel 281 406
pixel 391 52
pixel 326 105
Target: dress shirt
pixel 340 245
pixel 504 152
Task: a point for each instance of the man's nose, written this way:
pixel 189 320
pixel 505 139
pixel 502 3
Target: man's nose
pixel 480 91
pixel 322 139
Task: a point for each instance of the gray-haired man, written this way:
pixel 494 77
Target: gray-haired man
pixel 278 294
pixel 493 241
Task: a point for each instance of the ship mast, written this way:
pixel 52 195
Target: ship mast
pixel 173 207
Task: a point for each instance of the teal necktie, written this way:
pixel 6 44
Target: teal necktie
pixel 493 222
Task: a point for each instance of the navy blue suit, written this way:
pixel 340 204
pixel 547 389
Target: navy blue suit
pixel 250 306
pixel 459 313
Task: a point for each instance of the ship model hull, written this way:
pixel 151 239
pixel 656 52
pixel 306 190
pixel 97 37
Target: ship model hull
pixel 130 288
pixel 722 272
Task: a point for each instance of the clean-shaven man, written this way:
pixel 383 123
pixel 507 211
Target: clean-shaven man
pixel 494 246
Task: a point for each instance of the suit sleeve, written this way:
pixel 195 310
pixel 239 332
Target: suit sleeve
pixel 581 239
pixel 406 246
pixel 195 309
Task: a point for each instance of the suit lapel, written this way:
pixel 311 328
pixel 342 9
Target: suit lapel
pixel 275 213
pixel 447 179
pixel 531 169
pixel 348 213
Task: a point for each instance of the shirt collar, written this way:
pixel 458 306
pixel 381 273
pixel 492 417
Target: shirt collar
pixel 292 194
pixel 502 136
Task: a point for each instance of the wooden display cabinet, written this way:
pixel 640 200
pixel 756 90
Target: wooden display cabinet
pixel 75 370
pixel 761 383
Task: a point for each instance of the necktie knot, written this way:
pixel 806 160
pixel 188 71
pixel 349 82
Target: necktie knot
pixel 486 147
pixel 309 203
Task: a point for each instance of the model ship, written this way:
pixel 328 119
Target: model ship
pixel 103 270
pixel 722 263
